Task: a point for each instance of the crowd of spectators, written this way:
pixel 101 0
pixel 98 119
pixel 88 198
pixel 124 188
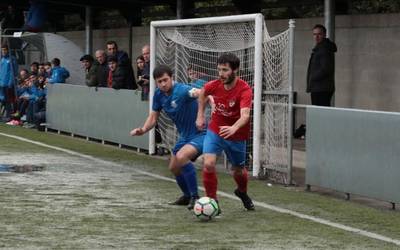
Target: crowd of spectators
pixel 23 92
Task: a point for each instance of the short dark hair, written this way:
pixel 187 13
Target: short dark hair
pixel 87 58
pixel 47 64
pixel 112 59
pixel 140 58
pixel 230 59
pixel 160 70
pixel 56 61
pixel 321 27
pixel 113 43
pixel 35 63
pixel 4 46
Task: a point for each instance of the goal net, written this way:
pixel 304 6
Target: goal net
pixel 191 48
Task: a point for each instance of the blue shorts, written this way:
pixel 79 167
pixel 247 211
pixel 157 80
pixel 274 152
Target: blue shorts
pixel 234 150
pixel 196 141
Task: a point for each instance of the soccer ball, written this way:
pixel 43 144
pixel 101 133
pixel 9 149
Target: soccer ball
pixel 205 208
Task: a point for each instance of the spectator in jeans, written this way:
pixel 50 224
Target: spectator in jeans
pixel 124 63
pixel 90 70
pixel 58 74
pixel 118 78
pixel 8 74
pixel 142 78
pixel 102 68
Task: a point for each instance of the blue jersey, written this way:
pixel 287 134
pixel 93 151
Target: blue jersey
pixel 180 107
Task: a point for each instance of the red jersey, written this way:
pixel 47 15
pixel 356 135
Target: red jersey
pixel 227 106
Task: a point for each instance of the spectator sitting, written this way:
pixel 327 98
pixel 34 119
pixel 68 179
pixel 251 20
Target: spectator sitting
pixel 118 78
pixel 142 78
pixel 90 70
pixel 41 69
pixel 124 63
pixel 23 95
pixel 58 73
pixel 34 68
pixel 102 68
pixel 47 68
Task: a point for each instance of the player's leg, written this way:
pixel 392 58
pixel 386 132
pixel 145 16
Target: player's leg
pixel 179 177
pixel 211 148
pixel 236 153
pixel 182 165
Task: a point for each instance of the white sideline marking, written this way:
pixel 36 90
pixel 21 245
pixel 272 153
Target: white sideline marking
pixel 259 204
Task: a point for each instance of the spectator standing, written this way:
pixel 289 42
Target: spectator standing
pixel 146 71
pixel 11 20
pixel 102 68
pixel 142 78
pixel 321 68
pixel 124 63
pixel 58 74
pixel 146 57
pixel 36 17
pixel 118 76
pixel 90 70
pixel 8 74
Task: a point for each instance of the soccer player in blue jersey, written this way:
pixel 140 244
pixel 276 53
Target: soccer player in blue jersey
pixel 180 104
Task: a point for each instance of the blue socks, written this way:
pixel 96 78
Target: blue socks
pixel 187 180
pixel 189 173
pixel 180 180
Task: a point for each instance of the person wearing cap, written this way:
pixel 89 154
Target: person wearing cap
pixel 90 70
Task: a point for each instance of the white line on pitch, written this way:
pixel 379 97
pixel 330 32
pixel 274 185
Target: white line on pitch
pixel 259 204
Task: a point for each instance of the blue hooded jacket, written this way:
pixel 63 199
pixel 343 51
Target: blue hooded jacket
pixel 8 71
pixel 58 75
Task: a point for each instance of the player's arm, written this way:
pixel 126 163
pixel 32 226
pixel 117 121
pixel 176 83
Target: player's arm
pixel 227 131
pixel 148 124
pixel 202 99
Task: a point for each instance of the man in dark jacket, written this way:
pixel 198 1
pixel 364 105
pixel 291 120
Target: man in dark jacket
pixel 102 68
pixel 119 77
pixel 90 70
pixel 321 68
pixel 124 63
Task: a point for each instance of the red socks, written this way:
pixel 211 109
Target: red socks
pixel 241 180
pixel 210 183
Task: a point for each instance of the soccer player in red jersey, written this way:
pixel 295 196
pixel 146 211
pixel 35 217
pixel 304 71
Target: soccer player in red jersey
pixel 229 127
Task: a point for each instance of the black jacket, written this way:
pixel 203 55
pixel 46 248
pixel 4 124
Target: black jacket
pixel 321 67
pixel 102 74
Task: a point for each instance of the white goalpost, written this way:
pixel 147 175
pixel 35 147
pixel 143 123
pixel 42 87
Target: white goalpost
pixel 191 48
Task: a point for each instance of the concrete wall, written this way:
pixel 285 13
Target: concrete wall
pixel 367 75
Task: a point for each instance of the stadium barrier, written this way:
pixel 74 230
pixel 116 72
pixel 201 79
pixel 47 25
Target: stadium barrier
pixel 354 151
pixel 99 113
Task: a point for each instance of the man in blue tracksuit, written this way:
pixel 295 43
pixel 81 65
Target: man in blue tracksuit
pixel 8 74
pixel 58 74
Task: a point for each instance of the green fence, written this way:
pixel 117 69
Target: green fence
pixel 100 113
pixel 354 151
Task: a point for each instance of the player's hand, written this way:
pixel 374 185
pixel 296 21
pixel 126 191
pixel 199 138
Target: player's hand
pixel 200 122
pixel 226 131
pixel 137 131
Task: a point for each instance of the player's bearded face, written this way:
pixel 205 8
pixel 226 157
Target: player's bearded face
pixel 226 74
